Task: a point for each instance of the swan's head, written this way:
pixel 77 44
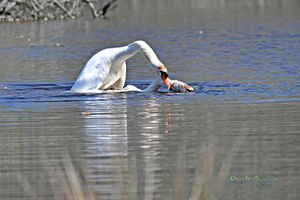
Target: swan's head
pixel 178 86
pixel 163 73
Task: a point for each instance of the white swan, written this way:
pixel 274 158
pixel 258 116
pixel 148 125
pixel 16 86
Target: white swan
pixel 107 69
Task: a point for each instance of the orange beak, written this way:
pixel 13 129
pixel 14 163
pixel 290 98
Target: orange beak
pixel 164 76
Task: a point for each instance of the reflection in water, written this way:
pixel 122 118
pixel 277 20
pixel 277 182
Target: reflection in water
pixel 105 139
pixel 154 122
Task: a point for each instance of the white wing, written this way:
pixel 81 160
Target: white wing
pixel 94 73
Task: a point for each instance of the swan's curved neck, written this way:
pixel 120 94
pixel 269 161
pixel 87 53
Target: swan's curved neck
pixel 155 85
pixel 142 47
pixel 147 52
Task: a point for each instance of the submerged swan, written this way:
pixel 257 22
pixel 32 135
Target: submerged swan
pixel 174 86
pixel 107 69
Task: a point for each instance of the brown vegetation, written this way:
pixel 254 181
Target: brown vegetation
pixel 26 10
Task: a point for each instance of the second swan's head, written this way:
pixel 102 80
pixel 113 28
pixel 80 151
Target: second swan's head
pixel 178 86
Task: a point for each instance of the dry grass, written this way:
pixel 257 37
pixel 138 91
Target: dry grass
pixel 211 173
pixel 67 183
pixel 209 183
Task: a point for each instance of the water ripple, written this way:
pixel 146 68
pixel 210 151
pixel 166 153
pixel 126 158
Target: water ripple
pixel 51 92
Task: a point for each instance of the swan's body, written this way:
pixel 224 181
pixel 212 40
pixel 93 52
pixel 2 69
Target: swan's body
pixel 107 69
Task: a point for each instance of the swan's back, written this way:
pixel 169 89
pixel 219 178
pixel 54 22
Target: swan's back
pixel 97 69
pixel 94 71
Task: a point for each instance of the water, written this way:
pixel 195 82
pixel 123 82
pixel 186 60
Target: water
pixel 242 122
